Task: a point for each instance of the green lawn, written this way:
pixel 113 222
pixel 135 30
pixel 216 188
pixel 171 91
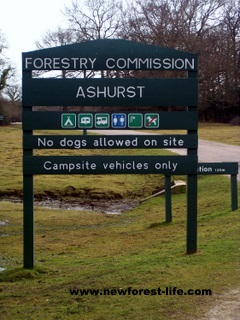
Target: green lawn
pixel 222 133
pixel 92 250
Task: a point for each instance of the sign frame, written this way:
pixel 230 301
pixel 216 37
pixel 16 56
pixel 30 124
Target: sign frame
pixel 106 54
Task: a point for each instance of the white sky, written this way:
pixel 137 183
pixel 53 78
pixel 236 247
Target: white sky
pixel 23 22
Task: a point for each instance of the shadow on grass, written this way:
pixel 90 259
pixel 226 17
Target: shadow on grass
pixel 159 224
pixel 18 274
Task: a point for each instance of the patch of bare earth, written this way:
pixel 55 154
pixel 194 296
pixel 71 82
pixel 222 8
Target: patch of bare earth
pixel 227 307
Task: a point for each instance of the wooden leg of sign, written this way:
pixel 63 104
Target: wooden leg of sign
pixel 192 214
pixel 234 195
pixel 168 198
pixel 28 222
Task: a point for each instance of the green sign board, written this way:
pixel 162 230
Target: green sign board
pixel 102 120
pixel 68 121
pixel 109 142
pixel 217 168
pixel 120 120
pixel 109 164
pixel 85 120
pixel 99 55
pixel 109 54
pixel 135 120
pixel 110 92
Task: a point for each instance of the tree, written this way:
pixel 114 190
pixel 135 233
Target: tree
pixel 58 37
pixel 4 77
pixel 231 28
pixel 209 28
pixel 14 93
pixel 5 68
pixel 94 19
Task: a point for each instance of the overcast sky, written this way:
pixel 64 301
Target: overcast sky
pixel 25 21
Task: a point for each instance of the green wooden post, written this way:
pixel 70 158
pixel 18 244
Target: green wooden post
pixel 28 195
pixel 28 214
pixel 234 195
pixel 192 193
pixel 191 213
pixel 168 198
pixel 28 222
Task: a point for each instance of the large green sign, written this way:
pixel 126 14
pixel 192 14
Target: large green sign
pixel 179 94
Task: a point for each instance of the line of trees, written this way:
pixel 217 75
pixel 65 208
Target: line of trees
pixel 210 28
pixel 10 92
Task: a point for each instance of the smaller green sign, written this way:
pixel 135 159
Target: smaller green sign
pixel 218 168
pixel 102 120
pixel 151 120
pixel 68 120
pixel 135 120
pixel 85 120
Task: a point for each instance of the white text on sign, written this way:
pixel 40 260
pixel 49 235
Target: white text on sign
pixel 110 92
pixel 106 142
pixel 83 63
pixel 112 166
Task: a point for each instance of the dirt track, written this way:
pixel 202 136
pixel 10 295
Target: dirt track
pixel 227 307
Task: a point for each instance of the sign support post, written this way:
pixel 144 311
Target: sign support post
pixel 234 194
pixel 28 208
pixel 192 191
pixel 168 198
pixel 28 223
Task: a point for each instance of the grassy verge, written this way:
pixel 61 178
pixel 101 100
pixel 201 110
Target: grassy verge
pixel 90 250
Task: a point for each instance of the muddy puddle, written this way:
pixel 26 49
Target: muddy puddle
pixel 108 207
pixel 103 206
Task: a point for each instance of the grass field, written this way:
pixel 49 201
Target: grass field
pixel 92 250
pixel 222 133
